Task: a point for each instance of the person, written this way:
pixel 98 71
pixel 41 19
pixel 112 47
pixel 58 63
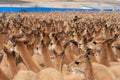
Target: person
pixel 18 17
pixel 75 18
pixel 4 15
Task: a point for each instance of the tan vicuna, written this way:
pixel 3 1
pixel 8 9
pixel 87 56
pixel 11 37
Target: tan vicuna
pixel 112 66
pixel 49 74
pixel 71 51
pixel 3 76
pixel 97 69
pixel 27 59
pixel 45 37
pixel 86 66
pixel 103 52
pixel 16 31
pixel 21 66
pixel 3 37
pixel 38 59
pixel 48 26
pixel 77 36
pixel 75 49
pixel 116 48
pixel 74 76
pixel 12 60
pixel 25 75
pixel 46 54
pixel 111 53
pixel 109 48
pixel 5 67
pixel 115 70
pixel 68 53
pixel 106 73
pixel 58 49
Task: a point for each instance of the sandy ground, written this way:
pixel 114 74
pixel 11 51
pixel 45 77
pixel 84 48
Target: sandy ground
pixel 61 3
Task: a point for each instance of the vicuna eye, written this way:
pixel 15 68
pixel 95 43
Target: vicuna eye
pixel 76 62
pixel 37 48
pixel 51 44
pixel 94 42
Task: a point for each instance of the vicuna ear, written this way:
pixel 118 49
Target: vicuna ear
pixel 42 42
pixel 87 55
pixel 18 60
pixel 118 47
pixel 116 36
pixel 56 38
pixel 43 33
pixel 12 39
pixel 53 35
pixel 105 25
pixel 13 53
pixel 1 57
pixel 5 50
pixel 26 42
pixel 90 39
pixel 1 29
pixel 85 39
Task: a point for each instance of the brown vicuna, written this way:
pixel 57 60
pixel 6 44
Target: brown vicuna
pixel 27 59
pixel 49 74
pixel 25 75
pixel 102 47
pixel 57 47
pixel 103 55
pixel 3 38
pixel 5 66
pixel 88 67
pixel 68 53
pixel 12 60
pixel 3 76
pixel 85 65
pixel 21 66
pixel 116 48
pixel 111 53
pixel 46 54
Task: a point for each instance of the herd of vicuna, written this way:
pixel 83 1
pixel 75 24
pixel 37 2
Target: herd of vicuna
pixel 60 46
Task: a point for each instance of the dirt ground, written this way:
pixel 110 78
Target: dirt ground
pixel 62 3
